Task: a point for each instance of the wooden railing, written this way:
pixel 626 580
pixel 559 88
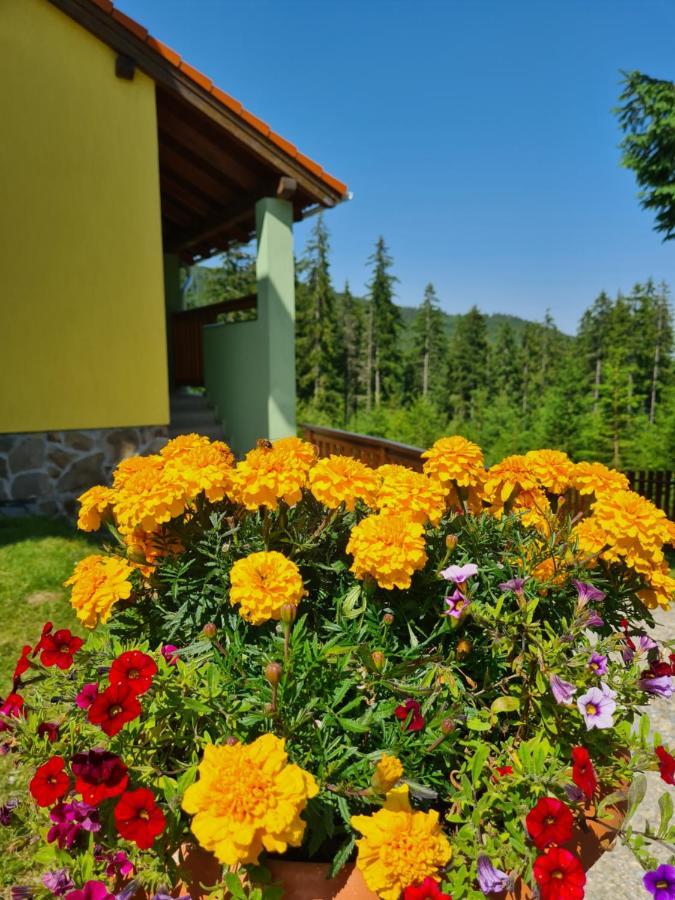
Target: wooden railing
pixel 656 485
pixel 186 337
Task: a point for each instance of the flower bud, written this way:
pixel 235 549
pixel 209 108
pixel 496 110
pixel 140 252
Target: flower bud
pixel 273 672
pixel 377 657
pixel 464 647
pixel 231 741
pixel 209 630
pixel 447 726
pixel 388 618
pixel 451 542
pixel 288 613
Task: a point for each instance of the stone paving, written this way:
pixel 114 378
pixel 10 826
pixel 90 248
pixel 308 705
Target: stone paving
pixel 617 875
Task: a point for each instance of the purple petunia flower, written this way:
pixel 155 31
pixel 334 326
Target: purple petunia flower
pixel 69 819
pixel 170 654
pixel 594 620
pixel 92 890
pixel 517 585
pixel 459 574
pixel 21 892
pixel 563 691
pixel 597 707
pixel 644 645
pixel 6 811
pixel 587 593
pixel 118 864
pixel 574 793
pixel 661 882
pixel 87 695
pixel 58 882
pixel 598 663
pixel 659 685
pixel 491 880
pixel 457 604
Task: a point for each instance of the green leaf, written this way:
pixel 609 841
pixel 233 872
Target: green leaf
pixel 636 794
pixel 342 856
pixel 478 762
pixel 505 704
pixel 478 725
pixel 234 885
pixel 666 808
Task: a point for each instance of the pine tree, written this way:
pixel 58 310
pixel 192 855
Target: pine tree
pixel 468 360
pixel 429 348
pixel 384 366
pixel 504 363
pixel 353 336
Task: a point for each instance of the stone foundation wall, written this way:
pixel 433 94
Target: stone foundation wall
pixel 47 470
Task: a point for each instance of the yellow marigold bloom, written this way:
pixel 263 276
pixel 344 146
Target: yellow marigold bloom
pixel 455 459
pixel 272 472
pixel 594 478
pixel 343 479
pixel 95 507
pixel 387 772
pixel 146 495
pixel 151 546
pixel 399 847
pixel 248 798
pixel 206 466
pixel 513 472
pixel 403 490
pixel 660 590
pixel 635 528
pixel 262 583
pixel 389 548
pixel 590 536
pixel 552 469
pixel 98 582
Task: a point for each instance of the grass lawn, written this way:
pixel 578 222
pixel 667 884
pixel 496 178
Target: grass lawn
pixel 36 557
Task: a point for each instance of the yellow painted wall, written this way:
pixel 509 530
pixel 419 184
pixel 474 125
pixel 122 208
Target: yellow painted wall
pixel 82 325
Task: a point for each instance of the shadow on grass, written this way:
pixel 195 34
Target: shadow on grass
pixel 25 528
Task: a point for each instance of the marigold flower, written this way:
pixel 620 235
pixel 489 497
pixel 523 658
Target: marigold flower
pixel 98 583
pixel 399 847
pixel 549 822
pixel 248 798
pixel 552 468
pixel 200 464
pixel 96 506
pixel 660 590
pixel 387 772
pixel 50 782
pixel 404 490
pixel 113 708
pixel 455 459
pixel 138 818
pixel 594 478
pixel 152 546
pixel 343 479
pixel 273 472
pixel 389 548
pixel 635 529
pixel 147 493
pixel 559 875
pixel 262 583
pixel 59 647
pixel 134 669
pixel 512 474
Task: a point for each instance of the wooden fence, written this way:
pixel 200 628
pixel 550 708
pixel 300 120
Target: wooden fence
pixel 657 486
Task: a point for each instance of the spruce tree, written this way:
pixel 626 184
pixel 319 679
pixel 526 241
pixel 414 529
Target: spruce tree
pixel 468 361
pixel 429 348
pixel 353 336
pixel 384 365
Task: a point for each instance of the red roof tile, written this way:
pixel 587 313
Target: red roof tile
pixel 199 78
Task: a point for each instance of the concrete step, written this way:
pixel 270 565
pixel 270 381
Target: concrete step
pixel 187 418
pixel 213 432
pixel 181 403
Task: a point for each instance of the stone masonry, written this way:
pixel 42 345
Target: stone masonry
pixel 46 471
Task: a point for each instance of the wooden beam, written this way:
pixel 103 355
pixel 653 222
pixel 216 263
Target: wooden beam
pixel 286 188
pixel 219 222
pixel 125 67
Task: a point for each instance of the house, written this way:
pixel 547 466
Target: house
pixel 118 162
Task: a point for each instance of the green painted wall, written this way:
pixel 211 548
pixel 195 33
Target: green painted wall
pixel 249 367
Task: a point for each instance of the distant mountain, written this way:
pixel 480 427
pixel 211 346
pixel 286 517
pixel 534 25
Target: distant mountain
pixel 493 321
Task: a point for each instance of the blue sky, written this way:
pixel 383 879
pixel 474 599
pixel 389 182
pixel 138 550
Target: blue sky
pixel 476 135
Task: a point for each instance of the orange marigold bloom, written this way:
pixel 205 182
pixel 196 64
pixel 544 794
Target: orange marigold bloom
pixel 535 510
pixel 152 546
pixel 590 536
pixel 455 459
pixel 552 469
pixel 660 590
pixel 272 472
pixel 98 582
pixel 594 478
pixel 636 529
pixel 388 548
pixel 403 490
pixel 511 474
pixel 262 583
pixel 95 507
pixel 146 495
pixel 343 479
pixel 200 465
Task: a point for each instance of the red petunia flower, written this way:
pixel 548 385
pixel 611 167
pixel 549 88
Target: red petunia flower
pixel 135 669
pixel 666 765
pixel 138 818
pixel 46 629
pixel 99 774
pixel 549 822
pixel 11 708
pixel 560 875
pixel 501 771
pixel 583 773
pixel 50 782
pixel 50 730
pixel 428 890
pixel 410 712
pixel 59 648
pixel 113 708
pixel 22 665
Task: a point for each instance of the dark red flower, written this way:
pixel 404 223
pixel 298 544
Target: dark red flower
pixel 501 771
pixel 99 774
pixel 46 629
pixel 59 648
pixel 583 773
pixel 666 765
pixel 549 822
pixel 657 670
pixel 11 708
pixel 112 709
pixel 135 669
pixel 428 890
pixel 138 818
pixel 50 730
pixel 410 712
pixel 50 782
pixel 22 665
pixel 671 660
pixel 560 875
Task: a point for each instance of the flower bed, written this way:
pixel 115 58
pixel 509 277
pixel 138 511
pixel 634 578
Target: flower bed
pixel 433 675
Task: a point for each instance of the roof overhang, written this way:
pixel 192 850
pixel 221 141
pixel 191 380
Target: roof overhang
pixel 216 159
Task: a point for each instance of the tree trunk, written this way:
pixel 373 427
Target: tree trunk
pixel 378 390
pixel 369 359
pixel 657 360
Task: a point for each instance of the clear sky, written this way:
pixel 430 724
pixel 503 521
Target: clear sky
pixel 476 135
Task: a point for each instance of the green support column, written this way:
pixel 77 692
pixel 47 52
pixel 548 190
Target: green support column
pixel 172 302
pixel 276 312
